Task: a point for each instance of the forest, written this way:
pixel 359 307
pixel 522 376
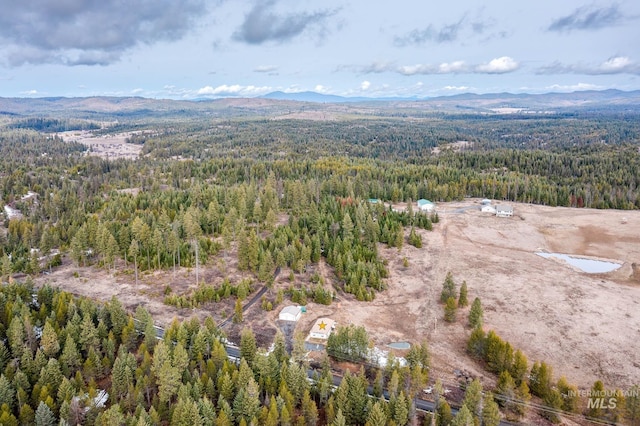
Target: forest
pixel 274 194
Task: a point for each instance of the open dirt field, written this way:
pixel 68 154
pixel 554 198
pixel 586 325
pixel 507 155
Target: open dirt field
pixel 108 146
pixel 584 325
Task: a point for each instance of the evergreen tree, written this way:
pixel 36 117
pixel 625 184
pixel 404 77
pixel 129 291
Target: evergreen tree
pixel 44 415
pixel 444 416
pixel 473 398
pixel 476 314
pixel 490 411
pixel 448 288
pixel 377 416
pixel 519 368
pixel 463 418
pixel 49 340
pixel 450 310
pixel 462 299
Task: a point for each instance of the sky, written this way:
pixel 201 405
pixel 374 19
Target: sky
pixel 187 49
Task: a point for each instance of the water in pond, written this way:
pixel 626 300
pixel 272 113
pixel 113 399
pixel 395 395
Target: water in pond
pixel 586 265
pixel 399 345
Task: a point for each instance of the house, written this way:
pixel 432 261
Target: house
pixel 322 328
pixel 488 208
pixel 425 205
pixel 504 210
pixel 290 313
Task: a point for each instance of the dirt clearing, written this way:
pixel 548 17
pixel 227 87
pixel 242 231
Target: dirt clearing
pixel 584 325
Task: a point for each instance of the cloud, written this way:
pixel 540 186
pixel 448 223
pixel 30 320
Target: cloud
pixel 462 30
pixel 501 65
pixel 265 68
pixel 365 85
pixel 444 34
pixel 31 92
pixel 262 24
pixel 573 87
pixel 589 18
pixel 233 90
pixel 456 67
pixel 90 32
pixel 456 88
pixel 614 65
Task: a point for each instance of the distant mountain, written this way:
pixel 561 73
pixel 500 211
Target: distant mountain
pixel 281 104
pixel 308 97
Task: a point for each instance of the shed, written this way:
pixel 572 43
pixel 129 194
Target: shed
pixel 425 205
pixel 487 208
pixel 322 328
pixel 504 210
pixel 290 313
pixel 485 202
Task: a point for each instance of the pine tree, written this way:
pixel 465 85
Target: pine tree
pixel 248 345
pixel 377 416
pixel 247 403
pixel 462 299
pixel 473 398
pixel 44 415
pixel 490 411
pixel 7 394
pixel 186 413
pixel 519 367
pixel 569 395
pixel 448 288
pixel 463 418
pixel 444 416
pixel 476 314
pixel 450 310
pixel 237 312
pixel 134 249
pixel 49 340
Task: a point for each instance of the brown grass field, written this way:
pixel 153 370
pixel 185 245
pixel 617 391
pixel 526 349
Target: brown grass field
pixel 586 326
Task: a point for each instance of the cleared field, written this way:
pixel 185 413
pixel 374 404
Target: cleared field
pixel 584 325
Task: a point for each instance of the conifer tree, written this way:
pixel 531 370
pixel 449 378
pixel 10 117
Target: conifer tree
pixel 448 288
pixel 450 310
pixel 462 299
pixel 476 314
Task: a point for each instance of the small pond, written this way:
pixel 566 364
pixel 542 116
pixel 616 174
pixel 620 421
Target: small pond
pixel 586 265
pixel 399 345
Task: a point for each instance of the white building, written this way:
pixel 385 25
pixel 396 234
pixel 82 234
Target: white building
pixel 290 313
pixel 488 208
pixel 425 205
pixel 322 328
pixel 504 210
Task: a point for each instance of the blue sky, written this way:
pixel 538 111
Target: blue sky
pixel 187 49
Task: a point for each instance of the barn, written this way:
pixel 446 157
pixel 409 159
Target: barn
pixel 290 313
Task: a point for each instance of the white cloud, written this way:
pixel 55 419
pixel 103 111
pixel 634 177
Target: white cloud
pixel 456 67
pixel 614 65
pixel 137 91
pixel 500 65
pixel 365 85
pixel 573 87
pixel 32 92
pixel 321 89
pixel 233 90
pixel 452 67
pixel 265 68
pixel 617 64
pixel 455 88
